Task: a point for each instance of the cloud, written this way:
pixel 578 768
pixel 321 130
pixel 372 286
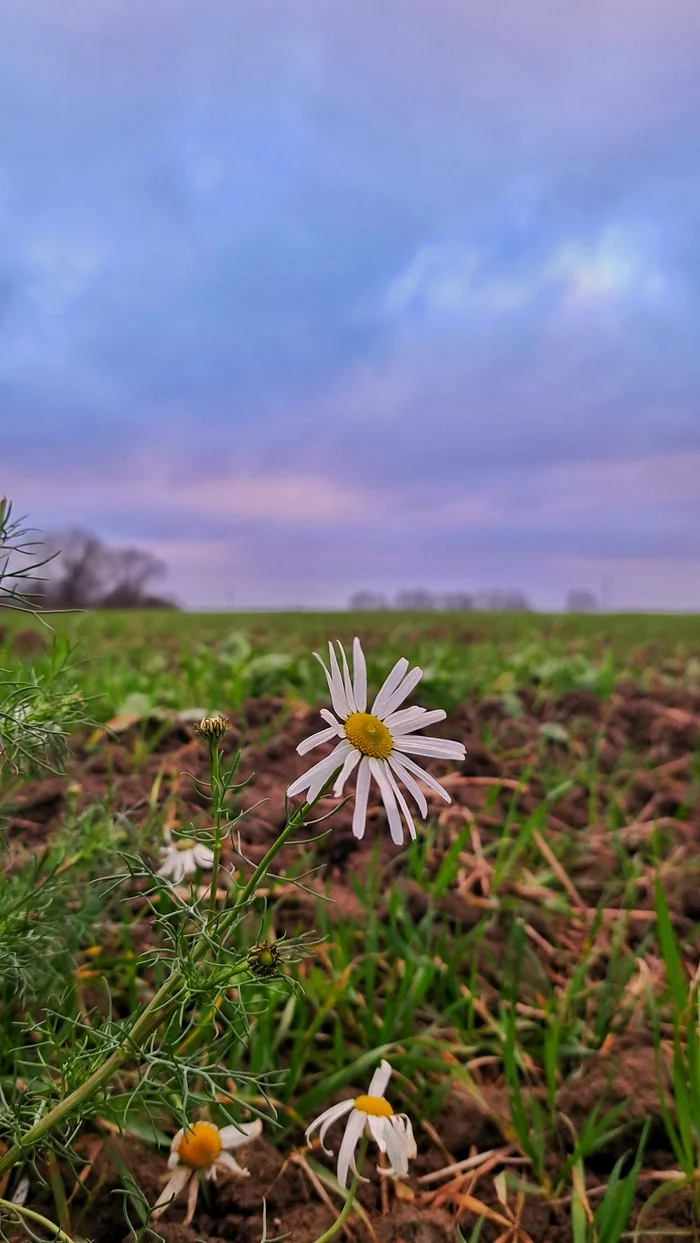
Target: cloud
pixel 423 268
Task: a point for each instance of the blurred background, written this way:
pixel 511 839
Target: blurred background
pixel 313 303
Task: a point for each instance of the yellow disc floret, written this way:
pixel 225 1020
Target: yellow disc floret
pixel 375 1106
pixel 369 735
pixel 200 1145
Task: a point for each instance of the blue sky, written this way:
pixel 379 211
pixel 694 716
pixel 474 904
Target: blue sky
pixel 320 295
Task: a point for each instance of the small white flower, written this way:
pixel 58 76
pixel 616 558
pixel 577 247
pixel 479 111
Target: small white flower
pixel 373 1115
pixel 181 858
pixel 381 742
pixel 206 1148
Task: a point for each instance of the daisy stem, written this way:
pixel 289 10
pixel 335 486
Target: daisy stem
pixel 216 799
pixel 18 1211
pixel 349 1199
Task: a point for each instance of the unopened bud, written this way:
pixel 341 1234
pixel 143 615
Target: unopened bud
pixel 212 728
pixel 264 958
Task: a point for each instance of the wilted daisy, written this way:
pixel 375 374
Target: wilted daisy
pixel 379 743
pixel 373 1115
pixel 202 1148
pixel 181 857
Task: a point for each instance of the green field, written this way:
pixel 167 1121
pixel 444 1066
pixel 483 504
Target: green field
pixel 528 965
pixel 215 660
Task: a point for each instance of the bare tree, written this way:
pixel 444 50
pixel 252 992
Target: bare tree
pixel 457 602
pixel 80 571
pixel 367 601
pixel 133 570
pixel 499 601
pixel 579 600
pixel 416 599
pixel 85 573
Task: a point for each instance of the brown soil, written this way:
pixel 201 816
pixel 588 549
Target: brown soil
pixel 644 747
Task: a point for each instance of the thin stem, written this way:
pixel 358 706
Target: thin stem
pixel 216 799
pixel 59 1195
pixel 349 1200
pixel 19 1211
pixel 146 1023
pixel 149 1019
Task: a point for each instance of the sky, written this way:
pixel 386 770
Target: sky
pixel 315 296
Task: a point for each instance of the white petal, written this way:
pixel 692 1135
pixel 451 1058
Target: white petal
pixel 396 1149
pixel 329 679
pixel 402 691
pixel 234 1136
pixel 401 801
pixel 315 740
pixel 353 759
pixel 333 722
pixel 397 720
pixel 389 686
pixel 192 1199
pixel 347 680
pixel 411 1147
pixel 176 866
pixel 324 766
pixel 376 1129
pixel 438 748
pixel 21 1191
pixel 203 856
pixel 340 702
pixel 178 1179
pixel 405 762
pixel 413 788
pixel 360 667
pixel 327 1118
pixel 389 801
pixel 169 858
pixel 380 1079
pixel 359 816
pixel 412 723
pixel 335 1113
pixel 229 1163
pixel 337 758
pixel 346 1156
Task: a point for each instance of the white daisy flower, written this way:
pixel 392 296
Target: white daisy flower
pixel 203 1148
pixel 379 743
pixel 373 1115
pixel 181 858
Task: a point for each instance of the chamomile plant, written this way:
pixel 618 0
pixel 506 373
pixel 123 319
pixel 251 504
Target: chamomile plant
pixel 167 1064
pixel 39 704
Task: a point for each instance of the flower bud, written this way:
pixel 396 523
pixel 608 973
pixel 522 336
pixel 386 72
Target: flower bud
pixel 264 958
pixel 212 728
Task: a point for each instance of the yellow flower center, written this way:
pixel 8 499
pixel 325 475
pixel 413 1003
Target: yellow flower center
pixel 374 1105
pixel 369 735
pixel 200 1145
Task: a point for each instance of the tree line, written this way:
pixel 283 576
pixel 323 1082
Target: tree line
pixel 508 600
pixel 78 571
